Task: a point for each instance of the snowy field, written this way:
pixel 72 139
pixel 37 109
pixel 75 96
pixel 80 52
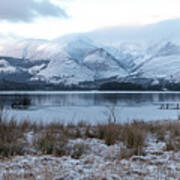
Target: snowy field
pixel 147 151
pixel 100 162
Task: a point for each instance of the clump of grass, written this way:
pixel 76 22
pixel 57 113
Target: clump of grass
pixel 11 149
pixel 169 146
pixel 173 140
pixel 11 139
pixel 168 132
pixel 90 132
pixel 157 128
pixel 110 133
pixel 134 136
pixel 56 143
pixel 77 133
pixel 50 142
pixel 174 129
pixel 12 135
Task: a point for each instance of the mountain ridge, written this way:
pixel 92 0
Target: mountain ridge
pixel 82 61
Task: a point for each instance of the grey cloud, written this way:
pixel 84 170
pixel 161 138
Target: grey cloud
pixel 28 10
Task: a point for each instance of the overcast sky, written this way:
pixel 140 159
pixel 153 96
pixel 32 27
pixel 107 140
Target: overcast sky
pixel 48 19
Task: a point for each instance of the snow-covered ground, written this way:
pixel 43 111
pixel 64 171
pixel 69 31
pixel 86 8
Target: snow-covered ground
pixel 92 114
pixel 99 162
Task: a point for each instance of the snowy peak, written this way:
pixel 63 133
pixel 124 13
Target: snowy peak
pixel 65 71
pixel 103 64
pixel 73 38
pixel 78 47
pixel 123 58
pixel 99 59
pixel 168 49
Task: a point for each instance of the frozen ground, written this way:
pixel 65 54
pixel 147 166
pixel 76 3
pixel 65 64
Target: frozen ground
pixel 93 114
pixel 99 162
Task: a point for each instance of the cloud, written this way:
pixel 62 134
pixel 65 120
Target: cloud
pixel 28 10
pixel 163 30
pixel 9 37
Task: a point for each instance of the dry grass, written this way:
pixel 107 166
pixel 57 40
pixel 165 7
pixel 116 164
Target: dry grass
pixel 166 131
pixel 53 138
pixel 110 133
pixel 51 141
pixel 11 139
pixel 134 136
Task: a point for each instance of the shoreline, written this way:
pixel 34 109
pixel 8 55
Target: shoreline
pixel 37 92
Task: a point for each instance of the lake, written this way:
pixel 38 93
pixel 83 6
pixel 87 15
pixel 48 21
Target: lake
pixel 92 106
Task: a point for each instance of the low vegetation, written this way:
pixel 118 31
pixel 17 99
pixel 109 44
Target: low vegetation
pixel 55 138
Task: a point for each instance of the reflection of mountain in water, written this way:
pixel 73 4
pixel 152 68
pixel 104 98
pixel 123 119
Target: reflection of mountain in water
pixel 93 99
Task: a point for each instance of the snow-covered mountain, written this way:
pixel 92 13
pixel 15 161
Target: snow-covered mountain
pixel 69 60
pixel 104 65
pixel 78 59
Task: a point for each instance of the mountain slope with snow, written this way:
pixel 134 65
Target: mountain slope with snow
pixel 104 65
pixel 88 58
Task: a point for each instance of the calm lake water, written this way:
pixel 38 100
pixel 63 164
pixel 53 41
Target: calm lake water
pixel 92 106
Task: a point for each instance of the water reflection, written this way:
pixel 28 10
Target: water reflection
pixel 92 106
pixel 92 99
